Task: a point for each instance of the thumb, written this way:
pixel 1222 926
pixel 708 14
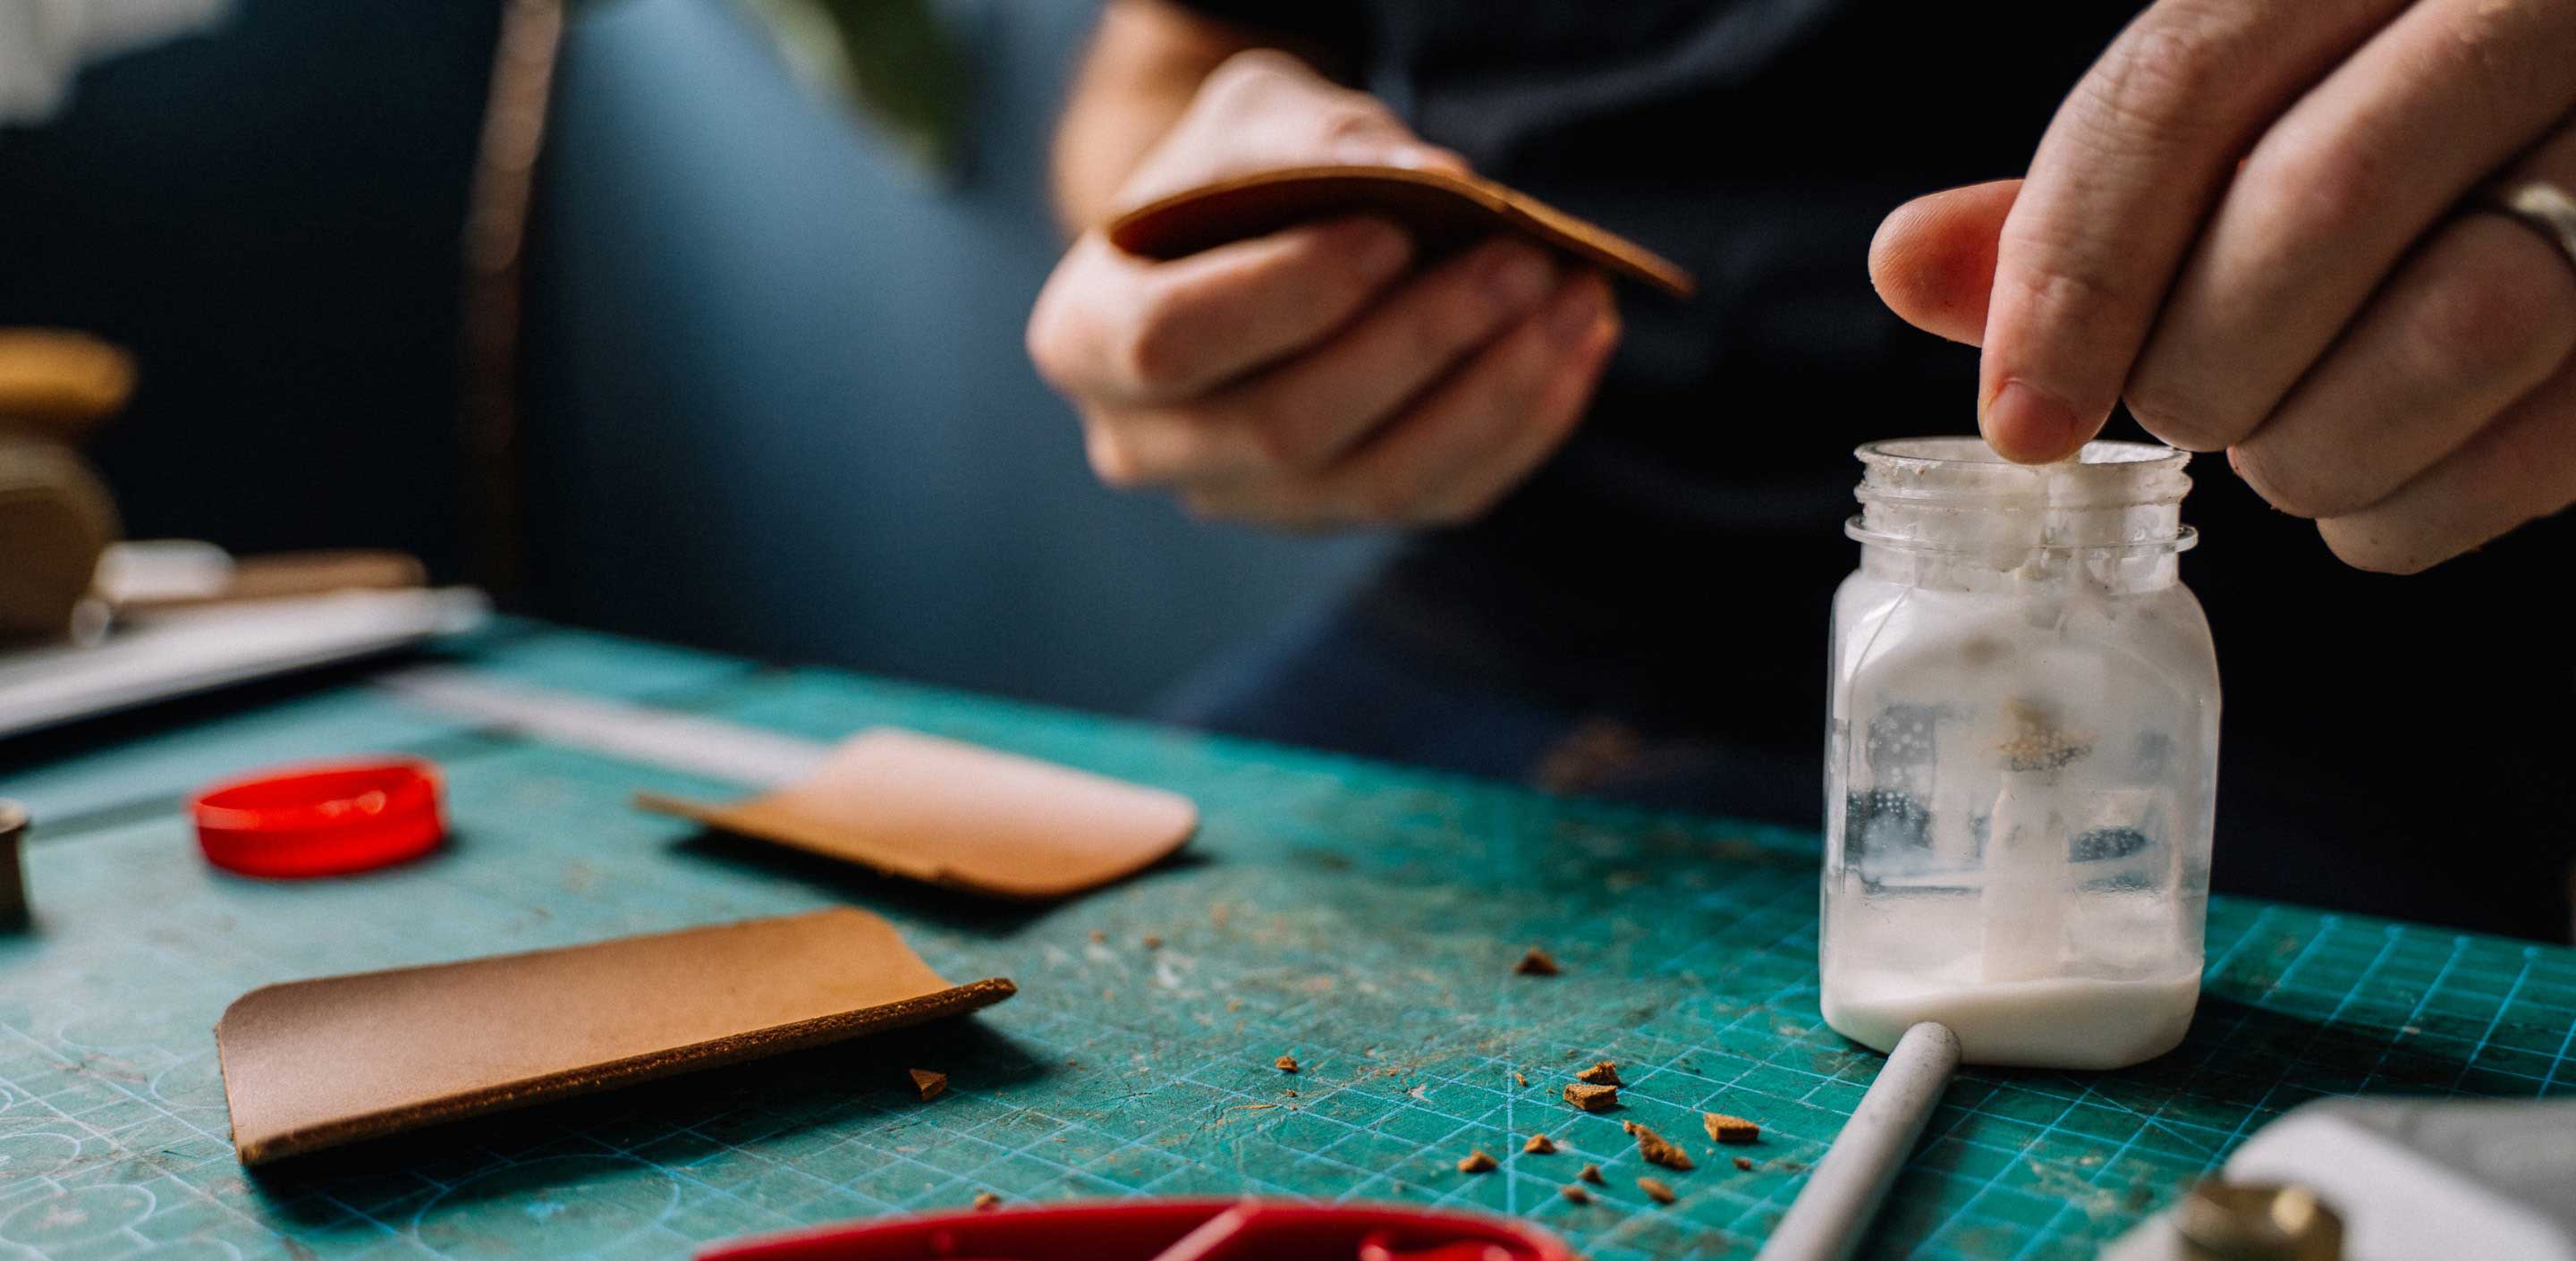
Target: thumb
pixel 1396 147
pixel 1933 260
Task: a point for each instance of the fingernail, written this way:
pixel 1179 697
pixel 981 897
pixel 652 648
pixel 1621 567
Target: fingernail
pixel 1413 158
pixel 1577 312
pixel 1381 251
pixel 2030 427
pixel 1518 277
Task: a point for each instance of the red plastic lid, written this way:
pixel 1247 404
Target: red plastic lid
pixel 324 819
pixel 1145 1229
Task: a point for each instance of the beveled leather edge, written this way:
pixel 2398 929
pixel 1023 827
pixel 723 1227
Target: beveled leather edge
pixel 1546 222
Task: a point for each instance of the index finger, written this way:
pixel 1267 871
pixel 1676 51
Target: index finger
pixel 2127 171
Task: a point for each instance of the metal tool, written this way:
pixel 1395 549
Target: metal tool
pixel 2403 1178
pixel 1832 1213
pixel 658 737
pixel 2222 1221
pixel 199 650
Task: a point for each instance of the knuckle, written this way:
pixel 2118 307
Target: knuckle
pixel 1154 353
pixel 1334 281
pixel 2176 413
pixel 2160 81
pixel 2487 324
pixel 1458 317
pixel 1112 459
pixel 1048 345
pixel 2078 278
pixel 1248 75
pixel 2314 182
pixel 1353 116
pixel 1278 444
pixel 2489 56
pixel 1046 359
pixel 1529 358
pixel 2294 486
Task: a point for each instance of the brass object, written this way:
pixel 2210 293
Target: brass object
pixel 2222 1221
pixel 55 518
pixel 58 383
pixel 55 515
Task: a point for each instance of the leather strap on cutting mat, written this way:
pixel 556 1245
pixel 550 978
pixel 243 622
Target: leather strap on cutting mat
pixel 956 814
pixel 312 1064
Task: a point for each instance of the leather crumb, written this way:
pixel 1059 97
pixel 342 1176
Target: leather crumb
pixel 1727 1129
pixel 1536 963
pixel 1656 1148
pixel 1656 1191
pixel 1591 1098
pixel 985 1200
pixel 1475 1162
pixel 1602 1073
pixel 1539 1145
pixel 1591 1174
pixel 1285 1063
pixel 1518 1079
pixel 1744 1163
pixel 1098 936
pixel 1575 1194
pixel 1153 941
pixel 930 1084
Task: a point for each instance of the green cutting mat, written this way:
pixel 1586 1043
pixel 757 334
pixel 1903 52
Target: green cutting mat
pixel 1361 918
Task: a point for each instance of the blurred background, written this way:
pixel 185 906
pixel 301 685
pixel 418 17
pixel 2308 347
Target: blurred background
pixel 623 317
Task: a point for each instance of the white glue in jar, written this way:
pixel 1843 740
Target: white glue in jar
pixel 2022 757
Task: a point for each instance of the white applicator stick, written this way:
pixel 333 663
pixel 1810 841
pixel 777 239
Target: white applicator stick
pixel 1832 1212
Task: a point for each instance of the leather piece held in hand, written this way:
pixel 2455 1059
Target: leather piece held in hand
pixel 959 815
pixel 312 1064
pixel 1442 210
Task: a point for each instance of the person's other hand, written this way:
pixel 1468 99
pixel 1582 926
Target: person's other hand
pixel 2246 222
pixel 1309 379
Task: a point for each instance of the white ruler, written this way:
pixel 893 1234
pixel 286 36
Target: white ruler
pixel 638 733
pixel 184 652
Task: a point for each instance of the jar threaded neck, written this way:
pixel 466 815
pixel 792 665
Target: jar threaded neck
pixel 1957 495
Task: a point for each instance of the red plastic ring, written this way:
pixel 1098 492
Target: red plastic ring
pixel 325 819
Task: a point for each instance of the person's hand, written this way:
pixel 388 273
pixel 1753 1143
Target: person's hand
pixel 1307 379
pixel 2246 222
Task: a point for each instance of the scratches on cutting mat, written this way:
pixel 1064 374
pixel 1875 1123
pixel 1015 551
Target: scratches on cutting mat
pixel 2059 1183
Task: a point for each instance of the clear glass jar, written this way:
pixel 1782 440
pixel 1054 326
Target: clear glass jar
pixel 2022 758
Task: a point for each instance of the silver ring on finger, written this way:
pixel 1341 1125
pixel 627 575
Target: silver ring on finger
pixel 2540 205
